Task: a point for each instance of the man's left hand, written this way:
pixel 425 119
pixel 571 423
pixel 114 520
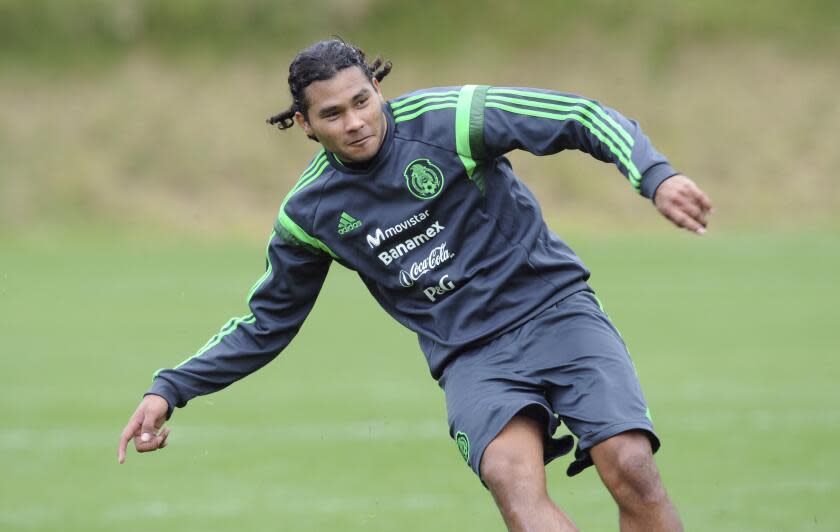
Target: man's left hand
pixel 682 202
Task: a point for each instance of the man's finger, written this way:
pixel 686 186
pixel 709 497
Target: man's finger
pixel 687 203
pixel 153 443
pixel 691 224
pixel 704 201
pixel 700 197
pixel 146 446
pixel 695 212
pixel 681 219
pixel 148 430
pixel 128 432
pixel 121 450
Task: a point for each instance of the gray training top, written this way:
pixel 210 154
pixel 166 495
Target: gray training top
pixel 443 234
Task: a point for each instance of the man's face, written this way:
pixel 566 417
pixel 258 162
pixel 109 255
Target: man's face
pixel 345 115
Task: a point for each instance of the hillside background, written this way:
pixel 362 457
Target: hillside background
pixel 152 112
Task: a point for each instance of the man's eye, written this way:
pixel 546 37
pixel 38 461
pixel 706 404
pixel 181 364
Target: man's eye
pixel 361 103
pixel 332 116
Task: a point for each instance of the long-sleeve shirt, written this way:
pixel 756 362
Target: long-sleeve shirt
pixel 438 227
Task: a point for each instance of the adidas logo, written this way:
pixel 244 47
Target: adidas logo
pixel 347 223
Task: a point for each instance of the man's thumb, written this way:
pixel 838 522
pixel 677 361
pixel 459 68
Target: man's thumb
pixel 148 429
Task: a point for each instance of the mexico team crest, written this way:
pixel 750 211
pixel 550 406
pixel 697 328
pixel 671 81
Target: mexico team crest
pixel 423 178
pixel 463 445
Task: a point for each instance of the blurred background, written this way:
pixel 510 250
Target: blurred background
pixel 138 182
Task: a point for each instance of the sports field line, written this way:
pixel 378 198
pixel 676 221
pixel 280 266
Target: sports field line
pixel 28 517
pixel 379 430
pixel 814 486
pixel 761 419
pixel 292 502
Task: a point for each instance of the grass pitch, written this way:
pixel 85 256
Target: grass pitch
pixel 734 336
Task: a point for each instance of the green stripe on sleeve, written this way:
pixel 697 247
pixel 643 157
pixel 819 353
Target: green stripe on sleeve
pixel 477 122
pixel 462 128
pixel 633 172
pixel 268 269
pixel 584 112
pixel 315 171
pixel 469 131
pixel 568 99
pixel 423 102
pixel 415 114
pixel 313 166
pixel 399 103
pixel 289 225
pixel 310 176
pixel 216 340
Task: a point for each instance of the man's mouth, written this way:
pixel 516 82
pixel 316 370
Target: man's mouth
pixel 361 140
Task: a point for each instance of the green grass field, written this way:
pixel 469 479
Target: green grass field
pixel 735 337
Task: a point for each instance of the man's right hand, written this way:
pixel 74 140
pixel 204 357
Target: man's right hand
pixel 682 202
pixel 144 425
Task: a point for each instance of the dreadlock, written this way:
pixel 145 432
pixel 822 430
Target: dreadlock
pixel 320 62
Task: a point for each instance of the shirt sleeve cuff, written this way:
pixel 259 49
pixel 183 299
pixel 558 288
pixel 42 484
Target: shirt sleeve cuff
pixel 654 176
pixel 164 389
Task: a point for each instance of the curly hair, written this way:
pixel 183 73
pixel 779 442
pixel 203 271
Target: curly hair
pixel 321 62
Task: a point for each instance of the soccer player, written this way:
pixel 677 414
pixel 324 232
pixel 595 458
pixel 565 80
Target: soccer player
pixel 416 195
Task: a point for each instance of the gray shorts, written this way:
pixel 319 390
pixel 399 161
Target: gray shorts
pixel 567 364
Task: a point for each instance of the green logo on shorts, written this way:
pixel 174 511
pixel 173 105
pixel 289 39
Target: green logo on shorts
pixel 423 178
pixel 463 445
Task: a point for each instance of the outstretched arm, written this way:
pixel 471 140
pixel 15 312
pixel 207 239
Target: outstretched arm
pixel 279 303
pixel 496 120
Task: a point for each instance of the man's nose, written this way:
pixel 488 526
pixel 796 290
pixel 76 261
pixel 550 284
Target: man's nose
pixel 354 122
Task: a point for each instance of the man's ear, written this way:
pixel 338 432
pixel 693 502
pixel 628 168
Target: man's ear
pixel 375 83
pixel 301 121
